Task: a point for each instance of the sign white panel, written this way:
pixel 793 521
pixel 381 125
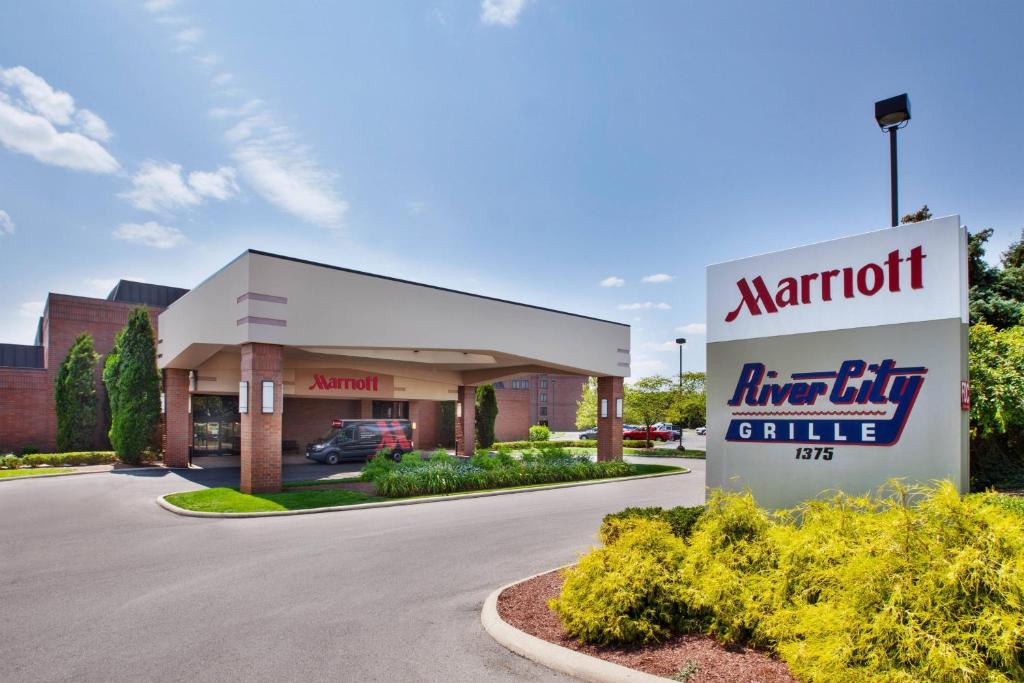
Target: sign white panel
pixel 911 273
pixel 840 365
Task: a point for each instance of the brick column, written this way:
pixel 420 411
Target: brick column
pixel 177 419
pixel 261 432
pixel 609 425
pixel 366 408
pixel 465 426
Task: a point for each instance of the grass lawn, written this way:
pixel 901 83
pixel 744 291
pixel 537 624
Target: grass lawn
pixel 28 472
pixel 225 499
pixel 232 500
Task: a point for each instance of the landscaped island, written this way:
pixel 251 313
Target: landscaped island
pixel 417 475
pixel 914 584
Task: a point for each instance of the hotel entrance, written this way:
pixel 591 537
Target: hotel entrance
pixel 216 425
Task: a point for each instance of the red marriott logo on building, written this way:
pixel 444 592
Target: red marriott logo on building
pixel 368 383
pixel 824 285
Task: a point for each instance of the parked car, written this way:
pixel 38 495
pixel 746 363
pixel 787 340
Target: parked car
pixel 361 439
pixel 702 431
pixel 642 434
pixel 589 433
pixel 667 427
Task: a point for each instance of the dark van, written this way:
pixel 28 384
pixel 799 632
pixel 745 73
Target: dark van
pixel 361 439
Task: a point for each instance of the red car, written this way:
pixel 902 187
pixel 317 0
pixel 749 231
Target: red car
pixel 641 434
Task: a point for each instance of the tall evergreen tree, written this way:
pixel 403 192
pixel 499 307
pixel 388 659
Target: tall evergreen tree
pixel 75 396
pixel 133 385
pixel 486 414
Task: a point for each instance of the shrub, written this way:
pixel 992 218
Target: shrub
pixel 912 584
pixel 486 414
pixel 565 443
pixel 28 450
pixel 479 473
pixel 75 396
pixel 628 592
pixel 58 459
pixel 539 433
pixel 133 385
pixel 680 519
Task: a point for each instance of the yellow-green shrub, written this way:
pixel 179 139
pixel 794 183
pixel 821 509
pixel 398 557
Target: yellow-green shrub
pixel 727 568
pixel 627 592
pixel 915 584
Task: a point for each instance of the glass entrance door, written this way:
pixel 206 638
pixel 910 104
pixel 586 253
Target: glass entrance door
pixel 216 425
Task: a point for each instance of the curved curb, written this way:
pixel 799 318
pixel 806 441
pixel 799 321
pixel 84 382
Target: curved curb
pixel 171 507
pixel 553 656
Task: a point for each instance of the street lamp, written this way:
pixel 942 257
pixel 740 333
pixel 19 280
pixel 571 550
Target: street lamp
pixel 891 115
pixel 680 341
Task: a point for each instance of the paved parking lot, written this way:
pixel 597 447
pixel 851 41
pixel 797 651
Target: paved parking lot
pixel 99 584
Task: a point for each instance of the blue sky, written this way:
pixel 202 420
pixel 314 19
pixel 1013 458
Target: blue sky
pixel 527 150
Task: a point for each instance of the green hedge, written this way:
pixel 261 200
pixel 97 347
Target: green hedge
pixel 568 443
pixel 914 584
pixel 10 462
pixel 444 474
pixel 680 519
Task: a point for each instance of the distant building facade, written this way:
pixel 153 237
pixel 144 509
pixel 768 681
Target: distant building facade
pixel 537 399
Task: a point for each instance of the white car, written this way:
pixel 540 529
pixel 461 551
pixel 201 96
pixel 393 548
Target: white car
pixel 702 431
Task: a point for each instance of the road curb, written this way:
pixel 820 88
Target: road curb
pixel 171 507
pixel 553 656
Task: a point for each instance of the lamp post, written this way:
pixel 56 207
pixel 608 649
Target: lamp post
pixel 680 341
pixel 891 115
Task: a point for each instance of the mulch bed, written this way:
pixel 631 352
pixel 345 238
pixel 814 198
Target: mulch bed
pixel 525 607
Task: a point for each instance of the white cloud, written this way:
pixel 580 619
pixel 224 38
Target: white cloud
pixel 693 328
pixel 236 112
pixel 658 277
pixel 219 184
pixel 30 113
pixel 501 12
pixel 208 60
pixel 283 173
pixel 56 106
pixel 31 309
pixel 644 306
pixel 223 79
pixel 188 37
pixel 612 281
pixel 161 186
pixel 150 234
pixel 158 5
pixel 91 125
pixel 6 224
pixel 29 134
pixel 415 208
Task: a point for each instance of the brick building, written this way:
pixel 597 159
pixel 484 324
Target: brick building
pixel 265 353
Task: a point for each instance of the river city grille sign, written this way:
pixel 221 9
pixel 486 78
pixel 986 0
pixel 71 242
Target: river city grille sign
pixel 840 365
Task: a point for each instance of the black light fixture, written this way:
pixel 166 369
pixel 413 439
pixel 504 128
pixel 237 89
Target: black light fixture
pixel 891 115
pixel 680 341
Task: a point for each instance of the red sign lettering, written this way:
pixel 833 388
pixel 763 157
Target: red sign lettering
pixel 324 383
pixel 867 280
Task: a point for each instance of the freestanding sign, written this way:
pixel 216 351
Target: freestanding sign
pixel 840 365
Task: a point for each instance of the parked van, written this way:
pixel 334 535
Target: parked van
pixel 361 439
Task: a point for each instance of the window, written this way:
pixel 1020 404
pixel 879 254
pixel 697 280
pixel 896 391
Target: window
pixel 543 411
pixel 391 410
pixel 543 384
pixel 346 435
pixel 499 385
pixel 520 384
pixel 543 397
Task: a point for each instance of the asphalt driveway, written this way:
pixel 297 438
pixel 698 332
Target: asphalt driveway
pixel 99 584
